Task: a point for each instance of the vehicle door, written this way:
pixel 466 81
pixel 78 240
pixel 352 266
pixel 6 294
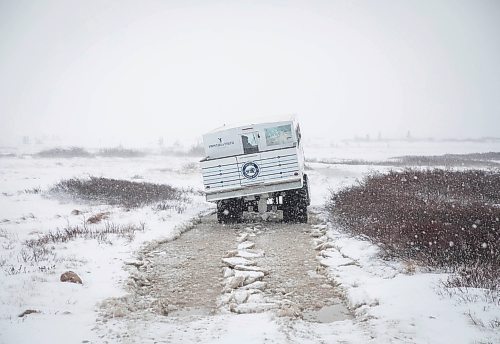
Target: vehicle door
pixel 249 163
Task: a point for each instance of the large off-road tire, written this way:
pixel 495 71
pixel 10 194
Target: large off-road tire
pixel 295 204
pixel 230 210
pixel 306 191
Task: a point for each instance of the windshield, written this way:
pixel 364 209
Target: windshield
pixel 279 135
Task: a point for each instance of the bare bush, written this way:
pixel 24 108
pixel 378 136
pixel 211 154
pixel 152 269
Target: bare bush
pixel 16 270
pixel 7 155
pixel 474 159
pixel 72 152
pixel 117 192
pixel 34 253
pixel 40 253
pixel 85 232
pixel 178 207
pixel 34 190
pixel 435 217
pixel 98 217
pixel 196 150
pixel 477 275
pixel 448 160
pixel 120 152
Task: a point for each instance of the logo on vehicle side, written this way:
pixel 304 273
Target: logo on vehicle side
pixel 250 170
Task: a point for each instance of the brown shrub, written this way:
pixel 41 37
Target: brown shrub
pixel 98 218
pixel 117 192
pixel 72 152
pixel 437 217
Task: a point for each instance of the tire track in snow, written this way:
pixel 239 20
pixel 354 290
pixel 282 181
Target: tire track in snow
pixel 186 279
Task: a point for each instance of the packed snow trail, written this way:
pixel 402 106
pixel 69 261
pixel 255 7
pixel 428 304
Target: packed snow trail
pixel 296 279
pixel 216 270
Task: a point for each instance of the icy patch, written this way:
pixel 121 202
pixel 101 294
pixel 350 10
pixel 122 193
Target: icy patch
pixel 247 308
pixel 326 314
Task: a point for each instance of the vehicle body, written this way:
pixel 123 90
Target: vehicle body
pixel 256 167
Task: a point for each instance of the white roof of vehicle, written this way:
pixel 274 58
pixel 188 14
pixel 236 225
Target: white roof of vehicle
pixel 262 120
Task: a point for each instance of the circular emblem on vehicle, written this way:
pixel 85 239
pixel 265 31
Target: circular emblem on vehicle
pixel 250 170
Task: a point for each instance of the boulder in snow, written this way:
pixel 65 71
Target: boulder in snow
pixel 243 237
pixel 251 268
pixel 250 253
pixel 234 282
pixel 233 261
pixel 257 285
pixel 227 272
pixel 249 276
pixel 70 276
pixel 246 245
pixel 241 296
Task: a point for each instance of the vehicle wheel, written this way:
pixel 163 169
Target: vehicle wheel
pixel 295 205
pixel 288 213
pixel 230 210
pixel 306 191
pixel 301 214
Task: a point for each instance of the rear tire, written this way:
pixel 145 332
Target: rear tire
pixel 295 204
pixel 230 210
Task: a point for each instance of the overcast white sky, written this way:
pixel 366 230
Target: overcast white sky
pixel 100 72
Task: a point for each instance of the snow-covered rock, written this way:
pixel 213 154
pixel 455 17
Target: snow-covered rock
pixel 246 308
pixel 257 285
pixel 246 245
pixel 234 282
pixel 251 268
pixel 227 272
pixel 249 276
pixel 243 237
pixel 233 261
pixel 250 253
pixel 241 296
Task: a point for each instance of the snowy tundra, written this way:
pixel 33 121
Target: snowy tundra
pixel 352 295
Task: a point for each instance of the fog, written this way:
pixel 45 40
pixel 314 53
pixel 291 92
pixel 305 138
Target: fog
pixel 129 72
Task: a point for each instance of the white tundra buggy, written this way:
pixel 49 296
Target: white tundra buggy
pixel 256 167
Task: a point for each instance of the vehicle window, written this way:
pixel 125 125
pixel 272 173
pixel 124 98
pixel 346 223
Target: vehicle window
pixel 279 135
pixel 250 143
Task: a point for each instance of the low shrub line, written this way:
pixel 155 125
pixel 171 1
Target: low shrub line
pixel 440 218
pixel 125 193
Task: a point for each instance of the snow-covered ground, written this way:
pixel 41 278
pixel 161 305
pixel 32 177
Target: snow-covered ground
pixel 374 150
pixel 68 311
pixel 392 303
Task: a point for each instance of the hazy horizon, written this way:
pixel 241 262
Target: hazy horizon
pixel 104 73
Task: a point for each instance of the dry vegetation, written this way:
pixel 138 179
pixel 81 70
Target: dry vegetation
pixel 72 152
pixel 39 253
pixel 85 232
pixel 120 152
pixel 440 218
pixel 78 152
pixel 196 150
pixel 117 192
pixel 491 159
